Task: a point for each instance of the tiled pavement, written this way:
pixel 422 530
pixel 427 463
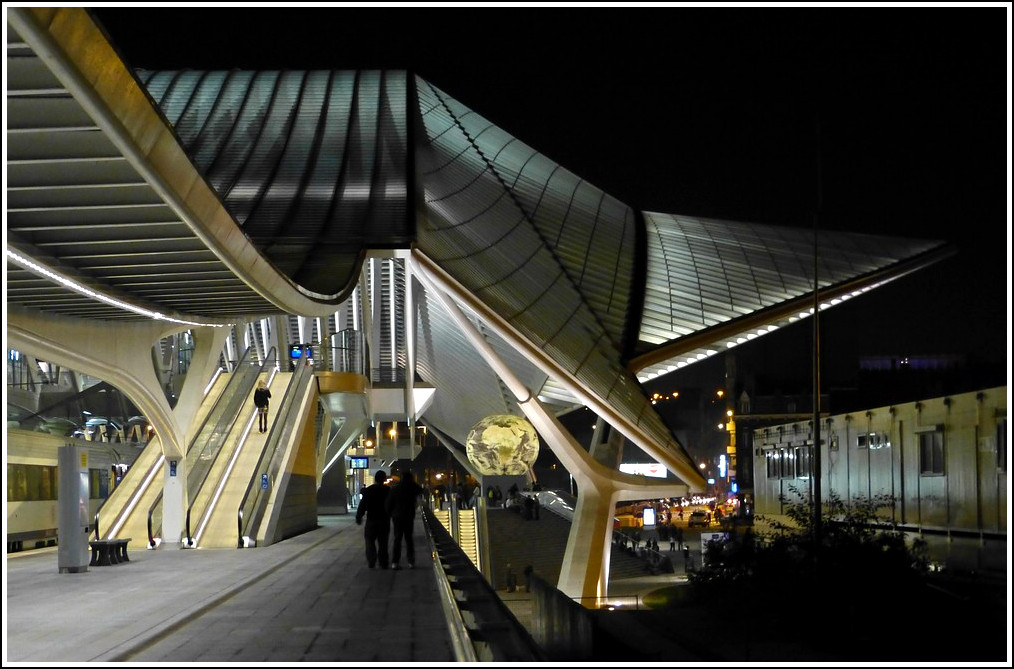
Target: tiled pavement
pixel 309 598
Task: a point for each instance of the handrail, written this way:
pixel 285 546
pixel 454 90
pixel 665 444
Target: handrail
pixel 253 503
pixel 190 539
pixel 137 491
pixel 461 641
pixel 502 636
pixel 199 466
pixel 151 513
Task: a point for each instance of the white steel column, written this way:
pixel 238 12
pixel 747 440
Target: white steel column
pixel 409 353
pixel 585 571
pixel 120 354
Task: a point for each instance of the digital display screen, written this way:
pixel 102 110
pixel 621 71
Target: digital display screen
pixel 649 516
pixel 295 351
pixel 359 463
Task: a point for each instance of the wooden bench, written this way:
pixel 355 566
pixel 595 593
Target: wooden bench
pixel 107 552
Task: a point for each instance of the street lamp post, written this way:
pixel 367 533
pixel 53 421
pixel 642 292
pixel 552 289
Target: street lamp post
pixel 815 474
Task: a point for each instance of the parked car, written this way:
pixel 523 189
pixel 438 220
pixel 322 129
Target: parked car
pixel 699 518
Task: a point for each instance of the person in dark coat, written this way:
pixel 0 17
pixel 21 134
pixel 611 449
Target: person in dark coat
pixel 401 504
pixel 260 399
pixel 373 506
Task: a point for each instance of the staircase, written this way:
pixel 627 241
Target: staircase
pixel 518 542
pixel 467 538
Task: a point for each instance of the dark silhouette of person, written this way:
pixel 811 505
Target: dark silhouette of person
pixel 401 505
pixel 512 579
pixel 261 397
pixel 373 506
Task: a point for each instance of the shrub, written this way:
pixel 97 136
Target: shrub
pixel 860 558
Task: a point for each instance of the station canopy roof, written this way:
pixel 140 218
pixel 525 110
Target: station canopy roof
pixel 210 196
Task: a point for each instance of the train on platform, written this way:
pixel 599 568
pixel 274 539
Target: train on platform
pixel 32 482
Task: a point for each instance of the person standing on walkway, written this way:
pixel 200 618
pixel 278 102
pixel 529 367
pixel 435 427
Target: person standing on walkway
pixel 401 504
pixel 261 397
pixel 373 506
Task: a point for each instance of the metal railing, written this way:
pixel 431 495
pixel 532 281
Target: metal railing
pixel 492 630
pixel 461 642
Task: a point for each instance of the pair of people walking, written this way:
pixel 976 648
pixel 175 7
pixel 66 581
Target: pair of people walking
pixel 385 507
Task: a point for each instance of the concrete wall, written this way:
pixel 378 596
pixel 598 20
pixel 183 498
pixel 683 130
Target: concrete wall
pixel 562 628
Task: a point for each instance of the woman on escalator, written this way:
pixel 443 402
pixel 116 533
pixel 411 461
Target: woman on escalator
pixel 260 398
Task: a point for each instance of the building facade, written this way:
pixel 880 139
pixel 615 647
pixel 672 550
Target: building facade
pixel 942 460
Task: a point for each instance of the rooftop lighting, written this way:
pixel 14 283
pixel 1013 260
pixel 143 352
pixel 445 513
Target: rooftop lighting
pixel 88 292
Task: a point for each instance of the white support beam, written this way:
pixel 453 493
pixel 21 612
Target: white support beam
pixel 585 571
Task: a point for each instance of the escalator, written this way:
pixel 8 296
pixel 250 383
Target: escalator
pixel 209 524
pixel 234 508
pixel 244 487
pixel 139 512
pixel 125 512
pixel 462 525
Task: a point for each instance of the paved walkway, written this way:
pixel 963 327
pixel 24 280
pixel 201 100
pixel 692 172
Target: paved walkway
pixel 309 598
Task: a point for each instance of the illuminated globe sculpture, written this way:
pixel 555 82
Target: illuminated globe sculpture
pixel 502 444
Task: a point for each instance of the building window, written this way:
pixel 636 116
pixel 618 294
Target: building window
pixel 31 483
pixel 788 470
pixel 931 453
pixel 802 458
pixel 873 440
pixel 879 440
pixel 771 458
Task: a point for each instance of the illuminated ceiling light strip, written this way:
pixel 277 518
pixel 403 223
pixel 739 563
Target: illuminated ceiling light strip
pixel 666 367
pixel 88 292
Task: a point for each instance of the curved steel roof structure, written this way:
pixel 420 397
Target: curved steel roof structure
pixel 210 196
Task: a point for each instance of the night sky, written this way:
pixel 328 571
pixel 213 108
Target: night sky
pixel 718 111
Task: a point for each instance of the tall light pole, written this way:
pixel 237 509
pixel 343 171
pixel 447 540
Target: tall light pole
pixel 816 469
